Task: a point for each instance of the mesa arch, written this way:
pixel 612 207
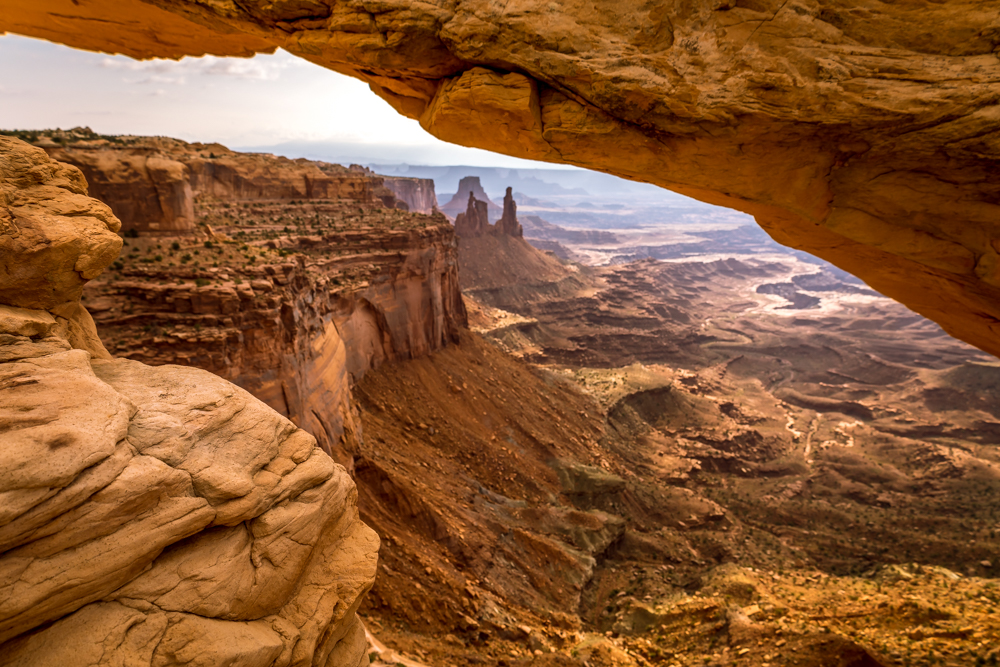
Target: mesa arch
pixel 866 132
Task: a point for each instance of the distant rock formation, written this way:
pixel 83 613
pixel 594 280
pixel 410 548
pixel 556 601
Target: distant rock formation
pixel 474 221
pixel 151 515
pixel 152 183
pixel 537 228
pixel 508 223
pixel 417 193
pixel 470 185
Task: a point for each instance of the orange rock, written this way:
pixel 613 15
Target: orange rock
pixel 150 515
pixel 867 137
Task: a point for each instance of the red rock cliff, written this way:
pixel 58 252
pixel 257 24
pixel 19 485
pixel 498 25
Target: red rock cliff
pixel 152 183
pixel 151 515
pixel 417 193
pixel 295 316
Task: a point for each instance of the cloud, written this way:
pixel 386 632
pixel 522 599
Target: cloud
pixel 179 72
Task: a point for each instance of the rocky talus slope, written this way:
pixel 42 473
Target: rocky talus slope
pixel 151 515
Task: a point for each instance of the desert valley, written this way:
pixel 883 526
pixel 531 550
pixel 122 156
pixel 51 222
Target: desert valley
pixel 682 444
pixel 717 386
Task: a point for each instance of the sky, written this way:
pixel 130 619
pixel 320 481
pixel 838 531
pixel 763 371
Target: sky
pixel 267 101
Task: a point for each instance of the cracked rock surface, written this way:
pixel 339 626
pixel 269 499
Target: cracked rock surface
pixel 150 515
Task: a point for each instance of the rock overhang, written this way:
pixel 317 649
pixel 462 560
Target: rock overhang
pixel 864 134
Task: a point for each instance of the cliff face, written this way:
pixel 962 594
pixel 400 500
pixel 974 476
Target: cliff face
pixel 152 183
pixel 843 129
pixel 294 331
pixel 416 193
pixel 151 515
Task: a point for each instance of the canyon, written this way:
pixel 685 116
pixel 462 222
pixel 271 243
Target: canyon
pixel 645 462
pixel 725 462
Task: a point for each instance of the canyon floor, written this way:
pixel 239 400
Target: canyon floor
pixel 742 461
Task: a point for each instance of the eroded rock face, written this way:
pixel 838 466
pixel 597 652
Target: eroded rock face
pixel 297 334
pixel 151 183
pixel 150 516
pixel 865 134
pixel 417 193
pixel 474 221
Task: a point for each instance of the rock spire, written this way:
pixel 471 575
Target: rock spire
pixel 475 220
pixel 508 224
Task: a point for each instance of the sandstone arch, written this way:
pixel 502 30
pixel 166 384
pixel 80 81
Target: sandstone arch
pixel 865 132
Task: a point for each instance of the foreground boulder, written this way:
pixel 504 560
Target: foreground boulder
pixel 866 135
pixel 149 515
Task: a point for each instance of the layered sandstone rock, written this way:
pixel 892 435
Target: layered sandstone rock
pixel 150 515
pixel 417 193
pixel 865 134
pixel 152 183
pixel 301 326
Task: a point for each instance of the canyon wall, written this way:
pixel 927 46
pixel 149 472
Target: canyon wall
pixel 153 183
pixel 151 515
pixel 865 134
pixel 299 333
pixel 417 193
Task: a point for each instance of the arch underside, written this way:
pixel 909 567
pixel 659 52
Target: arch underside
pixel 865 133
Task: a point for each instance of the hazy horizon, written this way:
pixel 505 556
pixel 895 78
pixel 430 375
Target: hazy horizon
pixel 268 101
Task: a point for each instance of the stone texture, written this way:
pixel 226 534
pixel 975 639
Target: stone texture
pixel 53 238
pixel 863 133
pixel 150 516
